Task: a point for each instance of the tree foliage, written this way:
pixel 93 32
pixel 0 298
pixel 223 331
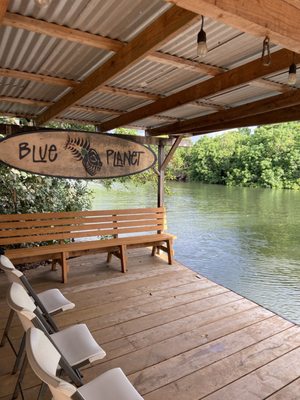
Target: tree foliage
pixel 270 158
pixel 22 192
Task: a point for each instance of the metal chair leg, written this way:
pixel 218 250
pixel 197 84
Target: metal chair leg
pixel 18 386
pixel 19 355
pixel 6 329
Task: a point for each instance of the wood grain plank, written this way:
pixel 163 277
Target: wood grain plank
pixel 208 380
pixel 184 364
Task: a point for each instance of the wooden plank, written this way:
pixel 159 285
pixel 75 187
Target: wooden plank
pixel 289 392
pixel 271 117
pixel 180 62
pixel 45 79
pixel 277 102
pixel 229 79
pixel 165 349
pixel 174 368
pixel 266 380
pixel 77 220
pixel 61 32
pixel 150 38
pixel 95 228
pixel 228 369
pixel 3 8
pixel 71 214
pixel 276 18
pixel 181 335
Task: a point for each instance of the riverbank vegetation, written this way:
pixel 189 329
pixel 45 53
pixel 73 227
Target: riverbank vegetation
pixel 269 157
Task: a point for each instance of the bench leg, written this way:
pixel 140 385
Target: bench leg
pixel 123 257
pixel 109 257
pixel 64 268
pixel 54 265
pixel 170 251
pixel 153 251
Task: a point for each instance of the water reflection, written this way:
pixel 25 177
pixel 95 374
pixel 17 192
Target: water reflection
pixel 246 239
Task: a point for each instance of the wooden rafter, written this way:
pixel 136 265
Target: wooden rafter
pixel 61 32
pixel 276 18
pixel 163 28
pixel 272 117
pixel 3 8
pixel 39 103
pixel 184 63
pixel 229 79
pixel 51 80
pixel 208 122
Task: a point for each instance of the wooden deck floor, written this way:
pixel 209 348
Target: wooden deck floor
pixel 175 334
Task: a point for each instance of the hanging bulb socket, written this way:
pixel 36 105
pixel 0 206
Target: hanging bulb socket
pixel 292 79
pixel 201 42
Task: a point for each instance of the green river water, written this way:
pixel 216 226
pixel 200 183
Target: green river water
pixel 245 239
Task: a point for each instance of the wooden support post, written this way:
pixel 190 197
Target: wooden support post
pixel 161 178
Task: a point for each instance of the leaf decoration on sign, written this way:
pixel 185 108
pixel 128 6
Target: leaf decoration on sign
pixel 82 151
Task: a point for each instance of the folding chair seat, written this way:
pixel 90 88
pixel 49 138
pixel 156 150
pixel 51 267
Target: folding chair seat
pixel 50 301
pixel 45 361
pixel 75 343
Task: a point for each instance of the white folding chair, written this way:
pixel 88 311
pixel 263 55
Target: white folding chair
pixel 45 361
pixel 75 343
pixel 50 301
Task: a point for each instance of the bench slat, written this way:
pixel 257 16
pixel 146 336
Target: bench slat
pixel 67 236
pixel 96 228
pixel 79 220
pixel 72 214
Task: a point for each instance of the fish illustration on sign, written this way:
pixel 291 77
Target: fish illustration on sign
pixel 81 150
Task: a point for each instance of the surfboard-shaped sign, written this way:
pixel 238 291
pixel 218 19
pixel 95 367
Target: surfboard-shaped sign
pixel 79 155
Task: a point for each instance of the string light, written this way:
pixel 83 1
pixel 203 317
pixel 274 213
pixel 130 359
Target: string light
pixel 266 55
pixel 201 41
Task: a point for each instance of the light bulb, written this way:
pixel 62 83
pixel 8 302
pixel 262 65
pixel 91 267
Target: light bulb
pixel 42 3
pixel 201 44
pixel 292 79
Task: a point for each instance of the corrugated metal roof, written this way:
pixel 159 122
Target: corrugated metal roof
pixel 117 19
pixel 120 19
pixel 112 101
pixel 241 95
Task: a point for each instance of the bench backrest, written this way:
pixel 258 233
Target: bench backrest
pixel 61 226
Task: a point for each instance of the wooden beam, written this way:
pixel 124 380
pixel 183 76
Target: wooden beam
pixel 229 79
pixel 273 86
pixel 29 102
pixel 50 80
pixel 38 103
pixel 276 18
pixel 210 121
pixel 170 154
pixel 128 93
pixel 61 32
pixel 3 8
pixel 184 63
pixel 28 76
pixel 163 28
pixel 96 110
pixel 273 117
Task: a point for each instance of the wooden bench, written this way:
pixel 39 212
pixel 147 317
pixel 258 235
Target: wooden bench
pixel 83 232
